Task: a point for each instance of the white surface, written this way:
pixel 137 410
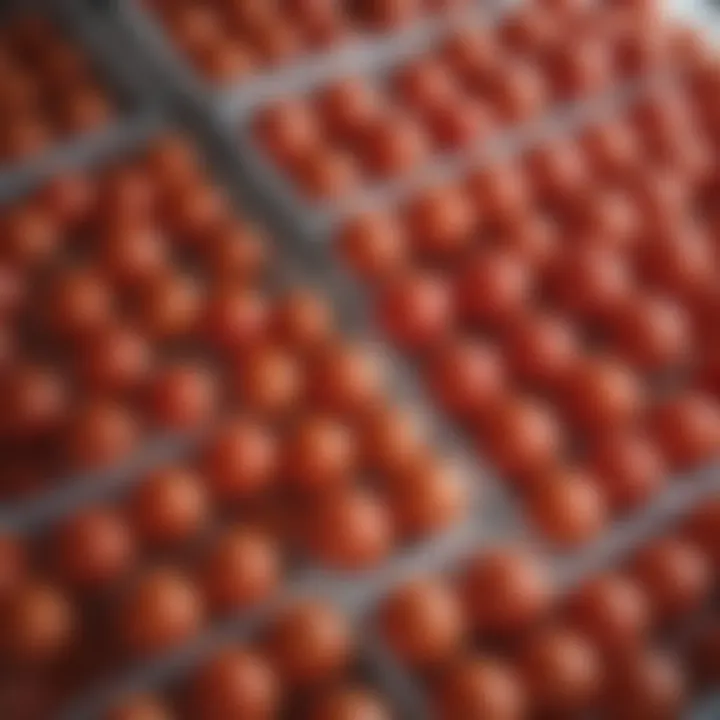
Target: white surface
pixel 701 13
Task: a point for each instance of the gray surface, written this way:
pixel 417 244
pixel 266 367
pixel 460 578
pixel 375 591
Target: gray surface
pixel 304 238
